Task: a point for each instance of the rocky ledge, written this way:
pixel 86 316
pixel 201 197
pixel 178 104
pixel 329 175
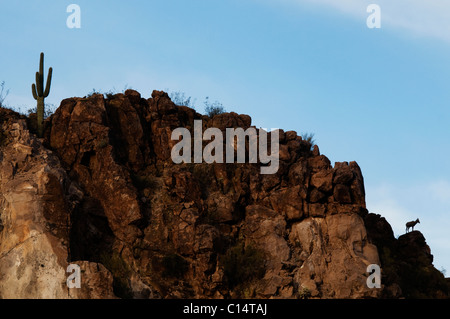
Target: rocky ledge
pixel 100 190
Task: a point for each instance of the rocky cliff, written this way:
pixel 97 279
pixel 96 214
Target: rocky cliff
pixel 100 190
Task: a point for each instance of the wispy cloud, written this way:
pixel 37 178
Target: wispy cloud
pixel 421 18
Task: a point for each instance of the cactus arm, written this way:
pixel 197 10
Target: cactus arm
pixel 39 85
pixel 49 80
pixel 33 90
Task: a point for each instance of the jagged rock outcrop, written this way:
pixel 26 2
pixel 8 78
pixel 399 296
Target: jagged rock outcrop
pixel 408 269
pixel 36 204
pixel 105 194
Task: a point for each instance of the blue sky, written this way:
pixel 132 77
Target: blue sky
pixel 376 96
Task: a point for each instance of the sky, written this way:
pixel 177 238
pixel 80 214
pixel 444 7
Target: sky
pixel 377 96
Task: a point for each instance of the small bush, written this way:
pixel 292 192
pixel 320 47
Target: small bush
pixel 127 87
pixel 3 93
pixel 110 94
pixel 49 109
pixel 243 264
pixel 213 108
pixel 309 137
pixel 93 92
pixel 180 99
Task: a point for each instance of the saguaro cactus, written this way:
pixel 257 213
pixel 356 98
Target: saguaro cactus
pixel 40 94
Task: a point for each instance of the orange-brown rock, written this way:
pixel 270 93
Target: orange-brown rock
pixel 100 190
pixel 36 204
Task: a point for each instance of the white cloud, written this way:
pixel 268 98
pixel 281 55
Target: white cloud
pixel 430 18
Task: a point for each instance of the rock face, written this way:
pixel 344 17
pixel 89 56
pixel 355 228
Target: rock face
pixel 101 191
pixel 36 204
pixel 408 269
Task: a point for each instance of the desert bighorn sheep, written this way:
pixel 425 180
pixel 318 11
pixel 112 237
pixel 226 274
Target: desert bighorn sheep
pixel 412 224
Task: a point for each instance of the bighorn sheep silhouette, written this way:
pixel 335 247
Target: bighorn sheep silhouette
pixel 412 224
